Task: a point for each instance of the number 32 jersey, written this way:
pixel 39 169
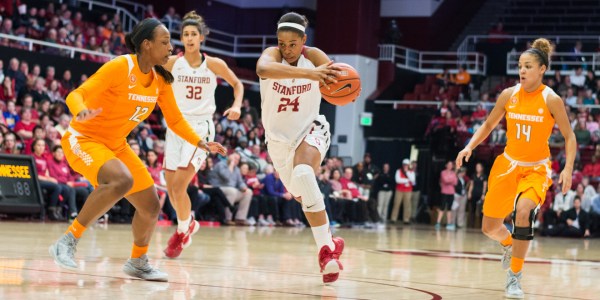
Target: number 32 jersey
pixel 289 106
pixel 194 88
pixel 529 124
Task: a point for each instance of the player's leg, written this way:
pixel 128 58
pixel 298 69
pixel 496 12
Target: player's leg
pixel 526 207
pixel 304 186
pixel 144 198
pixel 499 202
pixel 177 183
pixel 147 208
pixel 112 180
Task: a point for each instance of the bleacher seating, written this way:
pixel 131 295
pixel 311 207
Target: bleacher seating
pixel 552 17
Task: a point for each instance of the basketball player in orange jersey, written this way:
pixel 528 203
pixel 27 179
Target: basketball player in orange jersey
pixel 120 95
pixel 297 136
pixel 521 175
pixel 194 89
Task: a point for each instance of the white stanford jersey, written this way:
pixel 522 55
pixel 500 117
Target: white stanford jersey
pixel 289 106
pixel 194 88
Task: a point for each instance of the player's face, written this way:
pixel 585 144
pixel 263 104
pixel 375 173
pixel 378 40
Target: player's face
pixel 530 70
pixel 290 45
pixel 160 48
pixel 191 38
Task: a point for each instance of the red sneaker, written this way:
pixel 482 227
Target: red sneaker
pixel 329 261
pixel 180 241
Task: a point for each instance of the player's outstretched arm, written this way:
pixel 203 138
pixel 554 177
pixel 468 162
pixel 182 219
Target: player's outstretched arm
pixel 557 109
pixel 269 66
pixel 484 131
pixel 220 68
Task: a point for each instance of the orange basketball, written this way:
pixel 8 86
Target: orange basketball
pixel 346 90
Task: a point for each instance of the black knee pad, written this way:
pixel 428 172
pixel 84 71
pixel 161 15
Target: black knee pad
pixel 523 233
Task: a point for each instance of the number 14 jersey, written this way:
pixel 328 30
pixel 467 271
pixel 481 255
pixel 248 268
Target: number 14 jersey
pixel 194 88
pixel 529 124
pixel 289 106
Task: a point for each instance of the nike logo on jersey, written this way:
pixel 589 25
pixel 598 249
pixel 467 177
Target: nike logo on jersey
pixel 347 86
pixel 131 86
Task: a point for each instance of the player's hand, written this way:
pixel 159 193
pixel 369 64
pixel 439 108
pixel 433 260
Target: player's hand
pixel 463 154
pixel 326 73
pixel 233 113
pixel 566 178
pixel 87 114
pixel 212 147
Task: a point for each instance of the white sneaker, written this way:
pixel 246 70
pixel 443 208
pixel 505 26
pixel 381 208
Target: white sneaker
pixel 271 221
pixel 251 221
pixel 63 251
pixel 140 268
pixel 513 285
pixel 506 256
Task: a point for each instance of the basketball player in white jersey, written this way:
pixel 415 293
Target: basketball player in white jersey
pixel 297 136
pixel 194 89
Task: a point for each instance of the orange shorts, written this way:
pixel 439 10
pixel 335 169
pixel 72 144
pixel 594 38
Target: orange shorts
pixel 509 178
pixel 86 156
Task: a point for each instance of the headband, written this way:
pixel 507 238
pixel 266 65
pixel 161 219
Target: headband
pixel 539 53
pixel 290 24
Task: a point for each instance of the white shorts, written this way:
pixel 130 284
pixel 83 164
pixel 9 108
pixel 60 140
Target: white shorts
pixel 179 153
pixel 282 154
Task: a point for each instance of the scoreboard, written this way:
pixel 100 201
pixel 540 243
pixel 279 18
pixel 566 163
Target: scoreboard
pixel 20 190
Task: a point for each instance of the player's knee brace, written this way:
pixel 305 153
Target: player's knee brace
pixel 524 233
pixel 304 184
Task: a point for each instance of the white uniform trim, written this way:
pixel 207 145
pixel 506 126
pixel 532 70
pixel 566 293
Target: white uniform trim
pixel 130 64
pixel 516 90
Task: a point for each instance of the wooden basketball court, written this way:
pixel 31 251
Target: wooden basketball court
pixel 280 263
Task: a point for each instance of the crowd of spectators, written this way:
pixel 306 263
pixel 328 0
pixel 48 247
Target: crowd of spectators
pixel 66 25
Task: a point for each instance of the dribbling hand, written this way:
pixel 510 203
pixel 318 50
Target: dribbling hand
pixel 326 73
pixel 463 154
pixel 233 113
pixel 87 114
pixel 212 147
pixel 566 178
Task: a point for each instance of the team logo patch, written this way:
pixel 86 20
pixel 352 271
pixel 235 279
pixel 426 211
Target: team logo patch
pixel 541 111
pixel 132 79
pixel 513 100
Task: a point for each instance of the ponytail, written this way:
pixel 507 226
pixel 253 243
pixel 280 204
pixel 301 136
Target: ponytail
pixel 166 75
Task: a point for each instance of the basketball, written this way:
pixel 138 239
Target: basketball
pixel 346 90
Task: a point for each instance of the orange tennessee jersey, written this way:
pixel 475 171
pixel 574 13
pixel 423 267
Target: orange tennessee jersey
pixel 127 97
pixel 529 124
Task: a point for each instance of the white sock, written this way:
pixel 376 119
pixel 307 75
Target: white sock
pixel 323 236
pixel 183 225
